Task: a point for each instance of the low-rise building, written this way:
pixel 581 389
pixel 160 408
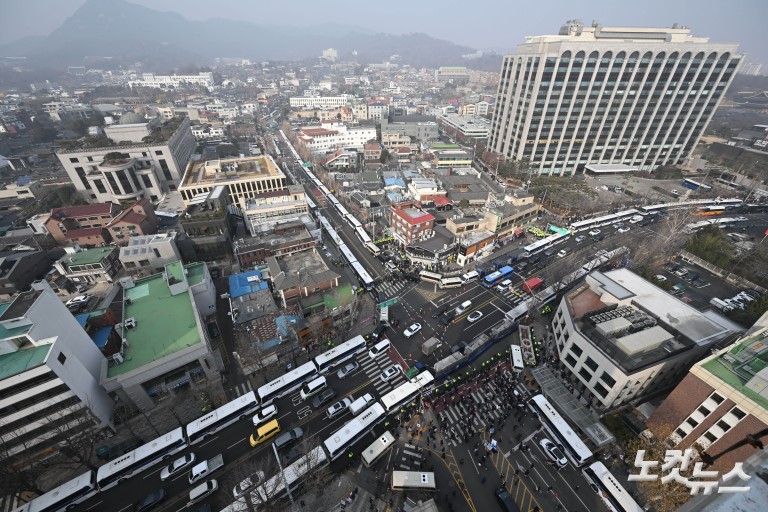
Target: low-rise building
pixel 465 128
pixel 321 101
pixel 50 374
pixel 623 339
pixel 445 158
pixel 206 131
pixel 166 345
pixel 84 266
pixel 148 254
pixel 473 245
pixel 372 152
pixel 263 212
pixel 416 127
pixel 287 238
pixel 300 275
pixel 23 188
pixel 208 227
pixel 242 178
pixel 409 223
pixel 137 220
pixel 64 224
pixel 341 159
pixel 509 218
pixel 202 79
pixel 425 190
pixel 19 269
pixel 720 402
pixel 465 187
pixel 250 297
pixel 329 137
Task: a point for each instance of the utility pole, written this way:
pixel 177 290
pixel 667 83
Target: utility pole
pixel 294 507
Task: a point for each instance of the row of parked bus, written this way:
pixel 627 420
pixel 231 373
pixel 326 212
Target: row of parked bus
pixel 134 462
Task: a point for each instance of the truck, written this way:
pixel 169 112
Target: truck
pixel 205 468
pixel 532 284
pixel 430 345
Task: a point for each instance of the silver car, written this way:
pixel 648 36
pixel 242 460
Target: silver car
pixel 347 370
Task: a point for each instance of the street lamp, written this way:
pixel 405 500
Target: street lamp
pixel 294 507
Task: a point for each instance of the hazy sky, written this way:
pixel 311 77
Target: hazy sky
pixel 484 24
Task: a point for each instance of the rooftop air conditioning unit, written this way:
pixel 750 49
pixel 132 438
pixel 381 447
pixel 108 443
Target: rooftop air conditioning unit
pixel 118 358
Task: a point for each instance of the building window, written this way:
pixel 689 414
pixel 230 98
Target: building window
pixel 738 413
pixel 159 152
pixel 608 379
pixel 600 390
pixel 62 358
pixel 704 411
pixel 717 398
pixel 723 425
pixel 74 160
pixel 681 433
pixel 710 437
pixel 585 375
pixel 591 364
pixel 692 422
pixel 570 360
pixel 576 350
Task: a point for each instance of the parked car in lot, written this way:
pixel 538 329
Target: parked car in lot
pixel 79 300
pixel 660 278
pixel 594 232
pixel 671 266
pixel 553 452
pixel 413 329
pixel 347 369
pixel 680 272
pixel 390 372
pixel 323 397
pixel 475 316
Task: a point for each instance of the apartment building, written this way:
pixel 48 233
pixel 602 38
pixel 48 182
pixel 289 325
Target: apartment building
pixel 50 372
pixel 202 79
pixel 266 210
pixel 321 101
pixel 149 253
pixel 609 95
pixel 409 223
pixel 85 266
pixel 623 339
pixel 330 137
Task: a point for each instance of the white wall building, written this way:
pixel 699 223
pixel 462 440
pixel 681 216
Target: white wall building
pixel 150 253
pixel 204 79
pixel 329 137
pixel 609 95
pixel 49 374
pixel 321 101
pixel 623 338
pixel 206 131
pixel 150 169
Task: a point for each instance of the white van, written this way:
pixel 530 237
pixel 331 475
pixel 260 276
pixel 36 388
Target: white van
pixel 464 306
pixel 470 276
pixel 378 348
pixel 202 491
pixel 384 315
pixel 504 285
pixel 313 387
pixel 360 404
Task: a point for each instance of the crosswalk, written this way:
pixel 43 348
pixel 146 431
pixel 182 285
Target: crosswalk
pixel 390 289
pixel 514 296
pixel 408 458
pixel 451 417
pixel 243 388
pixel 373 369
pixel 8 503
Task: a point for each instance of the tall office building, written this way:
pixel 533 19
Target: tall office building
pixel 609 95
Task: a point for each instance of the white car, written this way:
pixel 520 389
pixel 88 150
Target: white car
pixel 622 230
pixel 413 329
pixel 660 278
pixel 249 483
pixel 177 466
pixel 264 414
pixel 562 254
pixel 80 299
pixel 391 372
pixel 580 239
pixel 553 452
pixel 504 285
pixel 594 232
pixel 475 316
pixel 339 407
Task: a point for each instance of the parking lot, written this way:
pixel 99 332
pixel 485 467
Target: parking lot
pixel 694 285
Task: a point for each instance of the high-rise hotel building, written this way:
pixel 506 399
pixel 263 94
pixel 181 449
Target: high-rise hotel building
pixel 609 95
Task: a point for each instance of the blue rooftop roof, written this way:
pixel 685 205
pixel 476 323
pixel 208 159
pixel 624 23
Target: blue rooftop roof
pixel 246 283
pixel 82 319
pixel 101 336
pixel 390 182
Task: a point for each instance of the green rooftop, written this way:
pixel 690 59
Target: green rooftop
pixel 736 373
pixel 338 297
pixel 195 273
pixel 89 256
pixel 23 360
pixel 11 333
pixel 165 323
pixel 175 272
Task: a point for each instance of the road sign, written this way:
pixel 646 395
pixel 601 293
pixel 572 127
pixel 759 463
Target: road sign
pixel 388 303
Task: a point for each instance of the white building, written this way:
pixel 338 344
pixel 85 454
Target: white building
pixel 609 95
pixel 321 101
pixel 49 375
pixel 623 338
pixel 147 169
pixel 22 189
pixel 204 79
pixel 329 137
pixel 206 131
pixel 150 253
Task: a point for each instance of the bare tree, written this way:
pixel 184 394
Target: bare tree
pixel 18 474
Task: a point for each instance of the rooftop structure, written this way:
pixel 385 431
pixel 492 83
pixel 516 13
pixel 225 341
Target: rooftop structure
pixel 625 338
pixel 243 178
pixel 300 275
pixel 465 128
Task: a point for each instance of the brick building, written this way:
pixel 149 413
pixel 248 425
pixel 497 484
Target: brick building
pixel 722 399
pixel 409 223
